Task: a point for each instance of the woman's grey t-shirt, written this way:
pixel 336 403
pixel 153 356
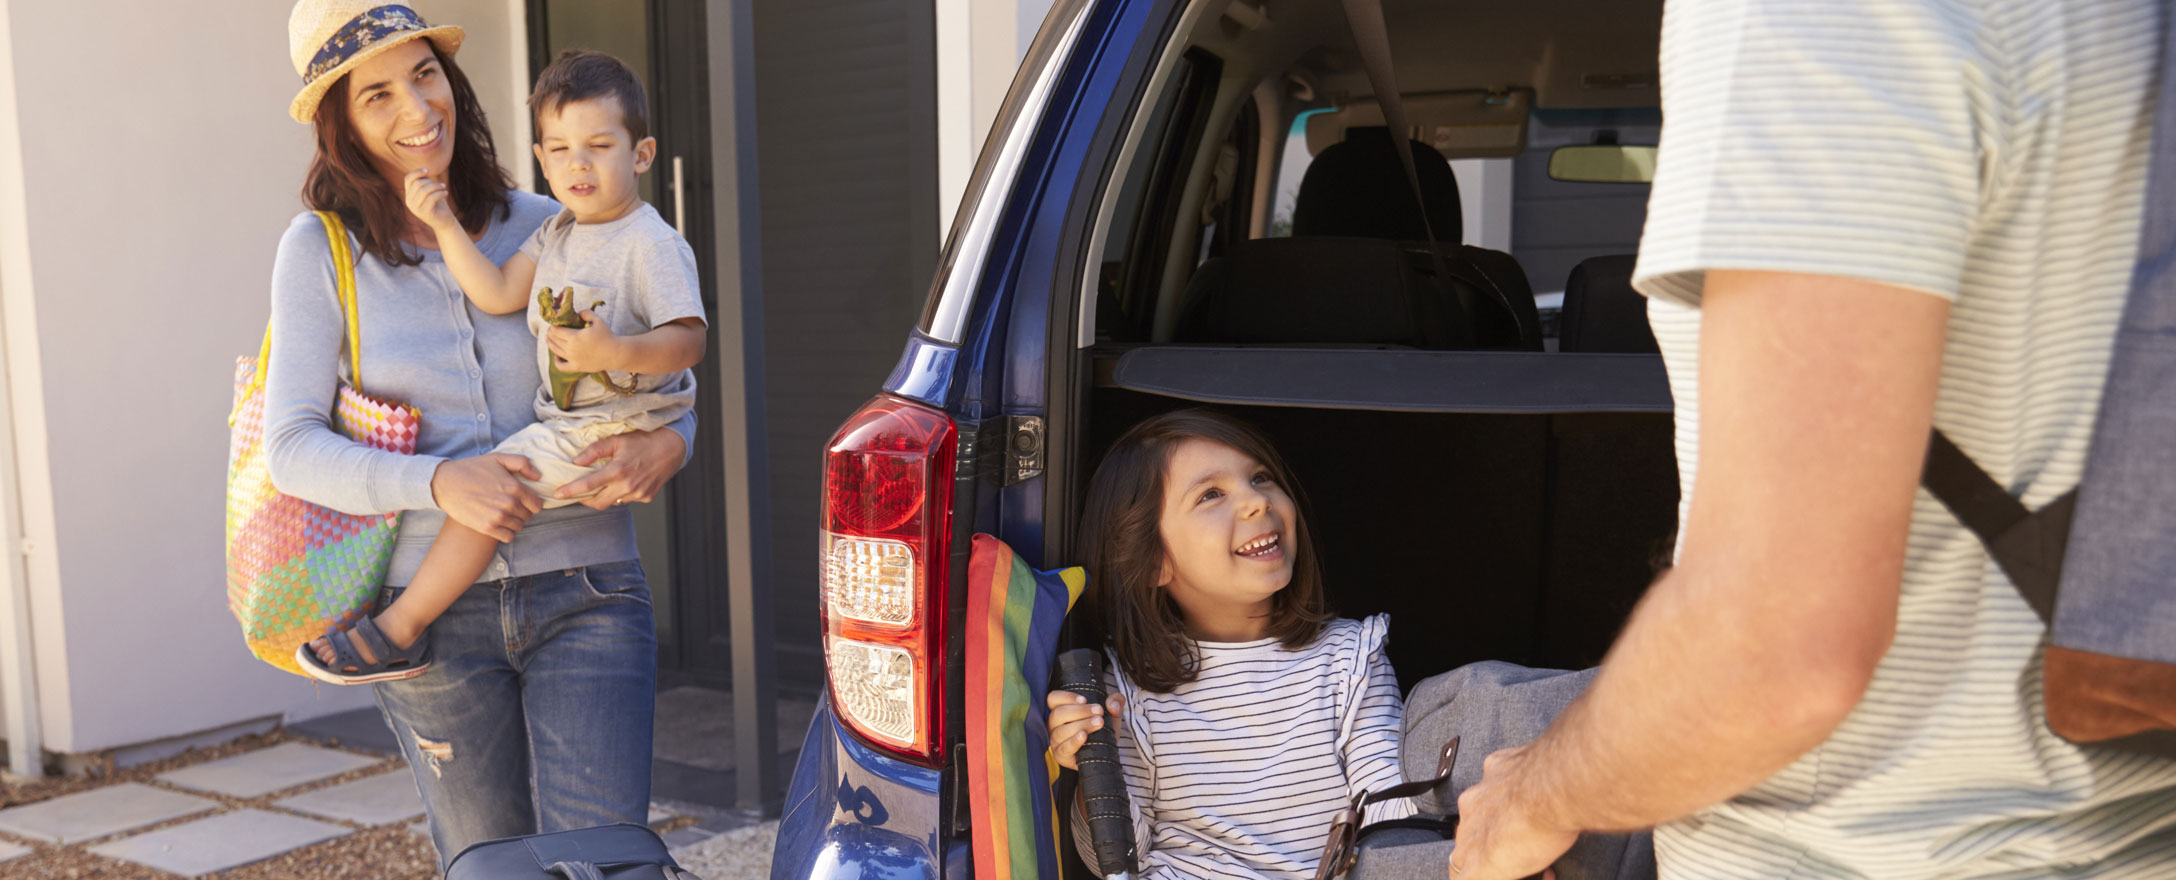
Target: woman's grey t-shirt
pixel 471 375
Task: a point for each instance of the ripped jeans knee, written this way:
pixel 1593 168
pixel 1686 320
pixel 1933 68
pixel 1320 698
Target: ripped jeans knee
pixel 434 752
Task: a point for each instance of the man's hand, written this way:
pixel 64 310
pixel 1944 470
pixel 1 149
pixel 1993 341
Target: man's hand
pixel 1499 838
pixel 427 199
pixel 591 349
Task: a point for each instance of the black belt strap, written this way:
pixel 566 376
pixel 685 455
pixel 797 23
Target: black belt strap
pixel 1365 17
pixel 2028 545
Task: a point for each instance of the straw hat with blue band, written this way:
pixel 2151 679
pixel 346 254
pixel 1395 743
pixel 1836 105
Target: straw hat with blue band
pixel 328 38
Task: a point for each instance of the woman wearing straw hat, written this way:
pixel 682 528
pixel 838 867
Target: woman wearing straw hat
pixel 534 714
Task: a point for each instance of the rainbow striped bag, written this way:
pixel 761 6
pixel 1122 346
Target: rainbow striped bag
pixel 296 570
pixel 1014 615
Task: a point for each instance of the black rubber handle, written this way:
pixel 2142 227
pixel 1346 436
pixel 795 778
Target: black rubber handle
pixel 1102 784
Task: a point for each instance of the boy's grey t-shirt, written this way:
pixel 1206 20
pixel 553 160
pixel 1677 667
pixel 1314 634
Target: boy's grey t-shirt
pixel 644 274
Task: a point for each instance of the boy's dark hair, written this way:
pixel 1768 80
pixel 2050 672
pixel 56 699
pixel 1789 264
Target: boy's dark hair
pixel 582 74
pixel 344 179
pixel 1120 534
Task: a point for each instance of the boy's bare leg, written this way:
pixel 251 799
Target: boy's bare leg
pixel 456 560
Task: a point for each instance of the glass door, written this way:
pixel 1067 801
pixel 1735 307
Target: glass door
pixel 682 533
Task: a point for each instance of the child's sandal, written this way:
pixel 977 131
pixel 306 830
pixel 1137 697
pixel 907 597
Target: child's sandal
pixel 349 668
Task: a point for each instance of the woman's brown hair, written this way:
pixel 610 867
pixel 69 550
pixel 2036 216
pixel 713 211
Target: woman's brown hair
pixel 343 179
pixel 1120 534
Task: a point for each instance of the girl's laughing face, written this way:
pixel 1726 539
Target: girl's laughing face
pixel 1224 524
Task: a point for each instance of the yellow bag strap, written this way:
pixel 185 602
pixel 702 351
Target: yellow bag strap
pixel 343 264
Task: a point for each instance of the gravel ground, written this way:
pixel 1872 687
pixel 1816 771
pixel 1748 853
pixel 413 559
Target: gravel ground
pixel 740 854
pixel 384 852
pixel 103 772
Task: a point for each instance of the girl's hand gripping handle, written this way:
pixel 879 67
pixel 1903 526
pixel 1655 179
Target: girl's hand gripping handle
pixel 1102 785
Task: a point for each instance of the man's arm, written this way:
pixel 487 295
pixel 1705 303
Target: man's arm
pixel 1816 397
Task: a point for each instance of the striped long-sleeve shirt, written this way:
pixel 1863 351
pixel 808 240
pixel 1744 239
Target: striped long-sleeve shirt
pixel 1239 772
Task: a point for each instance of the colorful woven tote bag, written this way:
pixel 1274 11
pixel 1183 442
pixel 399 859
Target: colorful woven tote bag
pixel 1014 617
pixel 296 570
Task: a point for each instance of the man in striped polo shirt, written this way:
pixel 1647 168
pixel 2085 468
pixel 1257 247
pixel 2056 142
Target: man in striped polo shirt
pixel 1868 219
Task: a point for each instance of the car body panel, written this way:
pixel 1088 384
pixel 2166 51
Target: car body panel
pixel 851 811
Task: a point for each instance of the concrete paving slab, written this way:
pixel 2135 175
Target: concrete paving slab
pixel 658 816
pixel 100 812
pixel 267 770
pixel 372 800
pixel 224 841
pixel 12 850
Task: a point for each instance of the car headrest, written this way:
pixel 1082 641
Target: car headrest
pixel 1357 188
pixel 1312 291
pixel 1306 290
pixel 1602 313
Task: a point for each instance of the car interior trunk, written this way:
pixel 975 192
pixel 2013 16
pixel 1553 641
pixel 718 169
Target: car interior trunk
pixel 1486 536
pixel 1483 439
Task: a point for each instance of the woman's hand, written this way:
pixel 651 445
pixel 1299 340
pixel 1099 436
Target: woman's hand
pixel 1072 718
pixel 483 494
pixel 637 465
pixel 427 199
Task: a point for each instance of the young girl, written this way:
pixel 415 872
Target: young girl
pixel 1254 715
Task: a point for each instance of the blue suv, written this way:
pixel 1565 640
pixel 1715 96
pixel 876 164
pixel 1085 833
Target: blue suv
pixel 1197 202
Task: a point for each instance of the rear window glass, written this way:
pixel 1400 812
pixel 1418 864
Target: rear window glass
pixel 1141 226
pixel 1291 168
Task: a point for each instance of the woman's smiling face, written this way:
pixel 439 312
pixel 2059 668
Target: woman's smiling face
pixel 401 107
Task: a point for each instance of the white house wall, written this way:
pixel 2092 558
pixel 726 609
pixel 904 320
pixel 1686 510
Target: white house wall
pixel 979 47
pixel 158 171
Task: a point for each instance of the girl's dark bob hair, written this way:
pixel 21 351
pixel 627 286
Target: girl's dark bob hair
pixel 1120 534
pixel 345 180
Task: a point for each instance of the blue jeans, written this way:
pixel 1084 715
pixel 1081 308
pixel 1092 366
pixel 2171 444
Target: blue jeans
pixel 535 714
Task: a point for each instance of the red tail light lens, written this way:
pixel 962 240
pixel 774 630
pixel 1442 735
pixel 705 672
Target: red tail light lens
pixel 887 536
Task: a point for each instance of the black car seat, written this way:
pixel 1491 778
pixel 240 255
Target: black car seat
pixel 1602 313
pixel 1613 498
pixel 1320 291
pixel 1357 188
pixel 1357 271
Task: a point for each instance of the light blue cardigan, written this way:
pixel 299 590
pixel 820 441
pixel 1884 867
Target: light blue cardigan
pixel 472 375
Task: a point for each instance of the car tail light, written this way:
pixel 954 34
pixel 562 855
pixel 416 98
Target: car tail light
pixel 886 538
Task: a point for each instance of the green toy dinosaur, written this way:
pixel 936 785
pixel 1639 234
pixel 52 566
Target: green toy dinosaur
pixel 560 312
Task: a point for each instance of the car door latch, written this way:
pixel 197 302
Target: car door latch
pixel 1006 449
pixel 1023 449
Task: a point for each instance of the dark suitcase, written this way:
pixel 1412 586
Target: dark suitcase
pixel 607 852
